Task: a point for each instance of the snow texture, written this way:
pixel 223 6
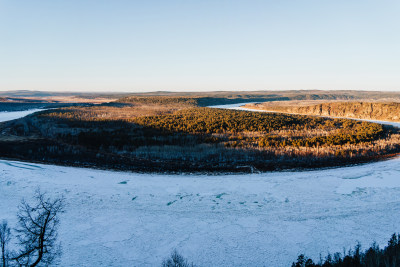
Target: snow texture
pixel 130 219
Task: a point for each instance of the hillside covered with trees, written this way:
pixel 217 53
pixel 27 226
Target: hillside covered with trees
pixel 174 134
pixel 388 111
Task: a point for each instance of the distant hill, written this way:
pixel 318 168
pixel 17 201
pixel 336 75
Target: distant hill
pixel 221 97
pixel 27 93
pixel 42 94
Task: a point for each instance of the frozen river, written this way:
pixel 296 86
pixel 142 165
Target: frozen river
pixel 130 219
pixel 7 116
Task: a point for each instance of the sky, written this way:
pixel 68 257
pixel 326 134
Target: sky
pixel 203 45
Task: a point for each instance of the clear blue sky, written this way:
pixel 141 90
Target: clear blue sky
pixel 94 45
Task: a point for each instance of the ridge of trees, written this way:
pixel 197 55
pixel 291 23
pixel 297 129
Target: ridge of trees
pixel 154 137
pixel 221 121
pixel 371 257
pixel 161 100
pixel 389 111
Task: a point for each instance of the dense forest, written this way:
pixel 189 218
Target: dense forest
pixel 161 100
pixel 268 129
pixel 173 134
pixel 388 111
pixel 372 257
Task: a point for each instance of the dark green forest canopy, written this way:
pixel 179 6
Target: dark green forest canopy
pixel 209 121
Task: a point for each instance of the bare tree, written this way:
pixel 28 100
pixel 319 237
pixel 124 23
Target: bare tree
pixel 37 230
pixel 5 236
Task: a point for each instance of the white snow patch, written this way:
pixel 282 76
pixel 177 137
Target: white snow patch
pixel 12 115
pixel 231 220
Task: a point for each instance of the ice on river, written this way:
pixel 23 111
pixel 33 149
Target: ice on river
pixel 12 115
pixel 129 219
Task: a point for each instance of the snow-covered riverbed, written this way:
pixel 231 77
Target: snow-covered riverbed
pixel 130 219
pixel 7 116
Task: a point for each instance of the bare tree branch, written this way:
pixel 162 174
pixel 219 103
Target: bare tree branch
pixel 5 236
pixel 37 231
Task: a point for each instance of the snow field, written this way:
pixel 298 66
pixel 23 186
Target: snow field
pixel 129 219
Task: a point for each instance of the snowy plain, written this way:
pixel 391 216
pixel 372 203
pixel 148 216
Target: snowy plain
pixel 130 219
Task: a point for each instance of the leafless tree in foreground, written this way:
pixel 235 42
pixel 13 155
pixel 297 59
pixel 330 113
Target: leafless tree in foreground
pixel 37 230
pixel 5 236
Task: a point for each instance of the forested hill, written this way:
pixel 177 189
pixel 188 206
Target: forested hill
pixel 389 111
pixel 176 136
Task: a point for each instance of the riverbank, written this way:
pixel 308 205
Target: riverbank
pixel 201 140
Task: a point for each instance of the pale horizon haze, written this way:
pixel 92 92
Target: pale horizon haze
pixel 141 46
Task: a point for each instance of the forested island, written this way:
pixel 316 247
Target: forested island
pixel 175 134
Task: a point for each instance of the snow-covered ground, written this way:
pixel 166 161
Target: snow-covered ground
pixel 130 219
pixel 7 116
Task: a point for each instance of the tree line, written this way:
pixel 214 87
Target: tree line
pixel 373 256
pixel 154 137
